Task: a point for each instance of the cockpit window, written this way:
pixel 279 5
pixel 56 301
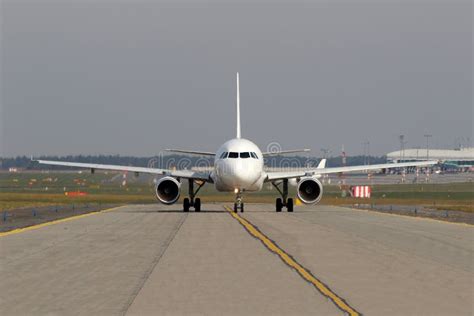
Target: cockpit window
pixel 242 155
pixel 233 155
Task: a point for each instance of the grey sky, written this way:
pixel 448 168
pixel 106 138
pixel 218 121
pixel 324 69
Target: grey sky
pixel 135 77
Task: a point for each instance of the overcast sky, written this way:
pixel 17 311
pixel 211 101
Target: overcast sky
pixel 135 77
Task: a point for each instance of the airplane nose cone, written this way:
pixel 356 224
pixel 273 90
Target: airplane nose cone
pixel 238 176
pixel 244 176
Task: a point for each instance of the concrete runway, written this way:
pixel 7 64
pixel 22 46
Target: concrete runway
pixel 155 259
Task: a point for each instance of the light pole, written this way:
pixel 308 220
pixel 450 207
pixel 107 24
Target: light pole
pixel 402 144
pixel 363 155
pixel 428 136
pixel 366 152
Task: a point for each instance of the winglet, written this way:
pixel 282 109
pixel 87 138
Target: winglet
pixel 322 164
pixel 238 107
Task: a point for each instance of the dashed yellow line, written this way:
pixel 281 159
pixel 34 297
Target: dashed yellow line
pixel 58 221
pixel 304 273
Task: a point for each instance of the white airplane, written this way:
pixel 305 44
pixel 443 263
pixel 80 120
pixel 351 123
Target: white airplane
pixel 239 168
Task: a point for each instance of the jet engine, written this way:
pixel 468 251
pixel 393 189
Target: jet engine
pixel 168 190
pixel 309 190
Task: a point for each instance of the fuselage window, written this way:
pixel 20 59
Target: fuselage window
pixel 245 155
pixel 233 155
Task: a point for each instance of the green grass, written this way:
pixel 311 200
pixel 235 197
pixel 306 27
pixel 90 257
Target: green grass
pixel 16 200
pixel 34 189
pixel 98 183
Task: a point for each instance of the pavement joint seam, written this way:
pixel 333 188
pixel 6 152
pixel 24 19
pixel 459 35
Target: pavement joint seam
pixel 154 263
pixel 273 247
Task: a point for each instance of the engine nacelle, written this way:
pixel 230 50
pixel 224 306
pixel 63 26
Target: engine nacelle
pixel 294 181
pixel 167 190
pixel 309 190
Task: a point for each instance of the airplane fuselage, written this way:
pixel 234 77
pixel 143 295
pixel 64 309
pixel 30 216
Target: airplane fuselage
pixel 238 167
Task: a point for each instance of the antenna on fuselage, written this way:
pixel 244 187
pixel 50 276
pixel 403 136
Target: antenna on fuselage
pixel 238 107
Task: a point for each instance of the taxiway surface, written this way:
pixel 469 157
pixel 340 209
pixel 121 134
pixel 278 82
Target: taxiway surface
pixel 155 259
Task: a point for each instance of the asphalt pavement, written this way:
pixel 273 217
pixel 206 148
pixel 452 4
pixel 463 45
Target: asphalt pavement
pixel 155 259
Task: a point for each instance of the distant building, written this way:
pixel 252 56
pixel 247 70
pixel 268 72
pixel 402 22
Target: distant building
pixel 459 158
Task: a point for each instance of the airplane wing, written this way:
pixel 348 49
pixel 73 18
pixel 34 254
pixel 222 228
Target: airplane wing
pixel 279 175
pixel 187 174
pixel 282 152
pixel 192 152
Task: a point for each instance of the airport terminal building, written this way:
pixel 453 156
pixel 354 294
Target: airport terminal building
pixel 456 158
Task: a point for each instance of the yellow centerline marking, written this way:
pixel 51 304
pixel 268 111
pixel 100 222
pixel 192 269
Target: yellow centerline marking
pixel 303 272
pixel 58 221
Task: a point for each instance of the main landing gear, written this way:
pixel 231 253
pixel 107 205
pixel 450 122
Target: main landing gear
pixel 284 200
pixel 192 201
pixel 238 203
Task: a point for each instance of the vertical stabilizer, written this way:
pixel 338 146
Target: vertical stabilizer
pixel 238 107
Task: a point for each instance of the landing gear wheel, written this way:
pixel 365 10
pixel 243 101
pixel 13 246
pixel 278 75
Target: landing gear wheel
pixel 279 205
pixel 289 205
pixel 197 205
pixel 238 206
pixel 186 205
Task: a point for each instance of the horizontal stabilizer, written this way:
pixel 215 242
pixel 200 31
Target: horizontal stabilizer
pixel 282 152
pixel 191 152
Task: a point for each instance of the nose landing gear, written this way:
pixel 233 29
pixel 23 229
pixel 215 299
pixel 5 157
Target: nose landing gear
pixel 284 200
pixel 238 203
pixel 192 201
